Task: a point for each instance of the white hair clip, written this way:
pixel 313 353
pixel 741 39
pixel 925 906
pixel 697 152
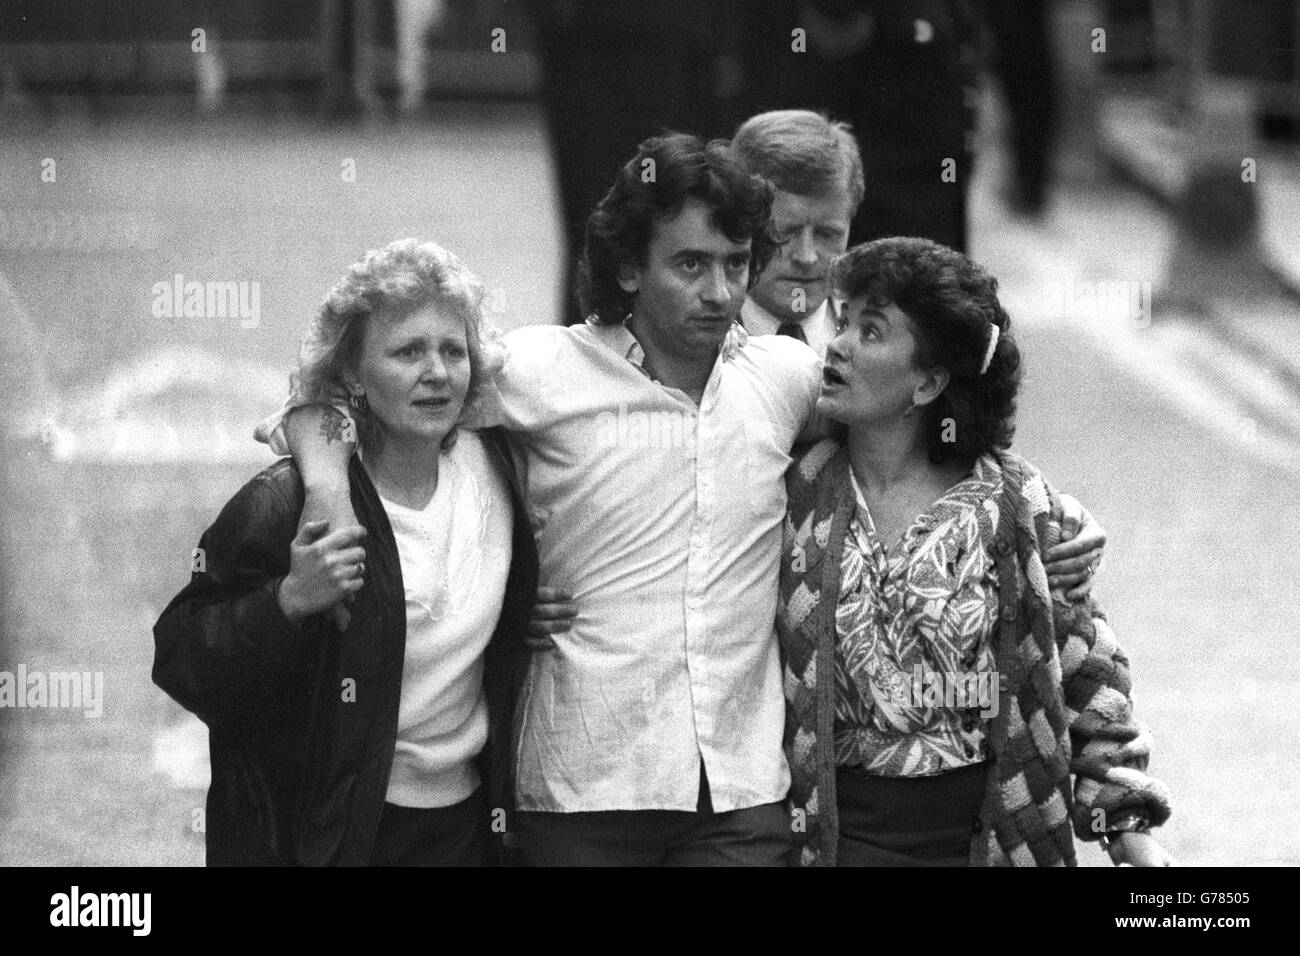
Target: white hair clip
pixel 993 346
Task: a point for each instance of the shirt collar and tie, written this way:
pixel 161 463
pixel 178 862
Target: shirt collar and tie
pixel 815 330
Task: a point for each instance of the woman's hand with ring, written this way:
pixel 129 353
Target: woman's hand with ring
pixel 1075 560
pixel 324 568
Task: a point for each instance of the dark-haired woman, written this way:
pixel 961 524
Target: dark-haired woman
pixel 944 707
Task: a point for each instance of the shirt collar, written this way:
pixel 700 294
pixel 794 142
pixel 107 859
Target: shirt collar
pixel 858 498
pixel 759 321
pixel 621 340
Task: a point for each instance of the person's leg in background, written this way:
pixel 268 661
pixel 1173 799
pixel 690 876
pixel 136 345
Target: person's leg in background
pixel 613 75
pixel 1023 63
pixel 346 28
pixel 904 91
pixel 414 21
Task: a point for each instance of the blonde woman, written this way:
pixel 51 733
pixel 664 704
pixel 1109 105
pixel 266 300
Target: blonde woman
pixel 385 743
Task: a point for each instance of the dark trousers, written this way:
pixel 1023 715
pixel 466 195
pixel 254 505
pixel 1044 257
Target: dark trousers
pixel 907 104
pixel 440 836
pixel 755 836
pixel 612 75
pixel 1024 67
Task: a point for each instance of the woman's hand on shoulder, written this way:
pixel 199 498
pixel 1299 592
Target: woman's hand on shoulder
pixel 553 613
pixel 1075 560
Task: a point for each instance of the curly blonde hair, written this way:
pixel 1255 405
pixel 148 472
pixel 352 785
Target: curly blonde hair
pixel 401 278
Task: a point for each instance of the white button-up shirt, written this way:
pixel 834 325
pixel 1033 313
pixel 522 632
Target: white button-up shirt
pixel 664 520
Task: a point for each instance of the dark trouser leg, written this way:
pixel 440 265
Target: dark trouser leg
pixel 754 836
pixel 1024 67
pixel 603 837
pixel 600 103
pixel 441 836
pixel 599 838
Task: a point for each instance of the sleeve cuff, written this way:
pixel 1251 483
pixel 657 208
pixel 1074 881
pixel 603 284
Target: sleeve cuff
pixel 287 638
pixel 270 430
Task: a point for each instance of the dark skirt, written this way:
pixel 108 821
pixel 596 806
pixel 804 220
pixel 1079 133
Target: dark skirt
pixel 908 821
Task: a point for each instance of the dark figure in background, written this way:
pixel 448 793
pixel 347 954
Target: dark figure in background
pixel 1131 38
pixel 897 71
pixel 1022 61
pixel 612 75
pixel 346 27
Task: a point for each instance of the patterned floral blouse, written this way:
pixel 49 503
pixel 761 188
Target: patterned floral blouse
pixel 914 673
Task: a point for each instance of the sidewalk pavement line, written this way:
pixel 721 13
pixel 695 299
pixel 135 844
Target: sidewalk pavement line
pixel 1145 149
pixel 1280 201
pixel 1200 400
pixel 1248 336
pixel 30 398
pixel 1143 156
pixel 1258 387
pixel 1203 401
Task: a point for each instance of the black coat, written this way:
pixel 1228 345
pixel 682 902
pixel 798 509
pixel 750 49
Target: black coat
pixel 299 774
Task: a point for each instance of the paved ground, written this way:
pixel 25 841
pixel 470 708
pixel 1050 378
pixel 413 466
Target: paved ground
pixel 1165 432
pixel 1161 432
pixel 148 420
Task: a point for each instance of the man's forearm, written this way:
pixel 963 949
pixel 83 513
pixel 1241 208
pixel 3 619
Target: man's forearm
pixel 321 439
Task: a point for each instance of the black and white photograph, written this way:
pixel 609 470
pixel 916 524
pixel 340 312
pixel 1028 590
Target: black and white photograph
pixel 651 433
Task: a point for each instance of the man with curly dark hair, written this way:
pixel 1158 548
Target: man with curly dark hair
pixel 653 440
pixel 668 172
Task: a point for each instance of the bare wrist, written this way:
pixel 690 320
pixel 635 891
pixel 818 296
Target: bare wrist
pixel 288 607
pixel 327 487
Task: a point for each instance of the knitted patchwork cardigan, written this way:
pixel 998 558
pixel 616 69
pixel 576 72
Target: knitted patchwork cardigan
pixel 1064 705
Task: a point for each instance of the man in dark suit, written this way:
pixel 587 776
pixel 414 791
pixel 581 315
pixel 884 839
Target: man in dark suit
pixel 902 73
pixel 616 73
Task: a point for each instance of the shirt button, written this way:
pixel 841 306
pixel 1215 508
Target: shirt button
pixel 978 825
pixel 1008 613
